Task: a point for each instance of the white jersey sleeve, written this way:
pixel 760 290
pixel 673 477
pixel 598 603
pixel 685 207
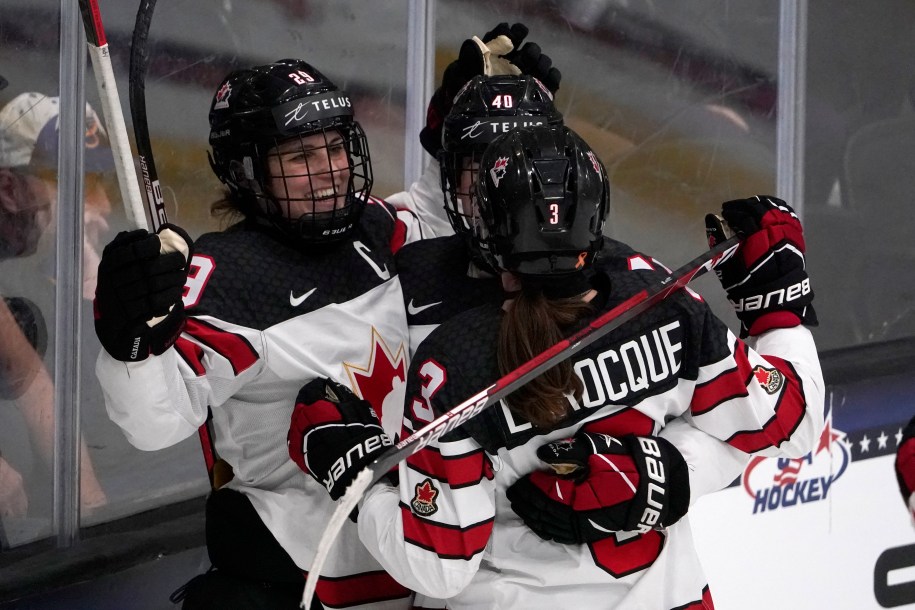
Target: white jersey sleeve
pixel 431 535
pixel 768 400
pixel 162 400
pixel 712 463
pixel 424 199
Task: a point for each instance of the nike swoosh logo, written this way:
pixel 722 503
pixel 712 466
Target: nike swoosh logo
pixel 296 301
pixel 413 309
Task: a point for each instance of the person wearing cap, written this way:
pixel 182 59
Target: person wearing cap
pixel 29 149
pixel 29 126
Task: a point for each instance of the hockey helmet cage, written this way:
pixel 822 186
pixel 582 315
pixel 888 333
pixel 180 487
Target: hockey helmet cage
pixel 486 107
pixel 255 110
pixel 542 200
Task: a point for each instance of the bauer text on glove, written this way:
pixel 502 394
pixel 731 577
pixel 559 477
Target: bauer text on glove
pixel 766 280
pixel 334 434
pixel 600 485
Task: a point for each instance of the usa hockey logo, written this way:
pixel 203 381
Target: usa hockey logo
pixel 222 96
pixel 498 170
pixel 779 483
pixel 771 380
pixel 423 502
pixel 594 162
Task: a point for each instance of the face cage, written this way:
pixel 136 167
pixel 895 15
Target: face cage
pixel 318 167
pixel 459 174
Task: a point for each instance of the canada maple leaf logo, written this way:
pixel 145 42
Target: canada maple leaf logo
pixel 423 502
pixel 222 96
pixel 770 379
pixel 382 382
pixel 498 170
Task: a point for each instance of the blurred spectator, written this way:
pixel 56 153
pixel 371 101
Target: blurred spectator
pixel 28 192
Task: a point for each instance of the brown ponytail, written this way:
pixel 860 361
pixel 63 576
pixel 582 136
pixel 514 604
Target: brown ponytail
pixel 532 324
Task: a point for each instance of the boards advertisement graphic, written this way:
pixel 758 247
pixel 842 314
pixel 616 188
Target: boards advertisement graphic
pixel 829 530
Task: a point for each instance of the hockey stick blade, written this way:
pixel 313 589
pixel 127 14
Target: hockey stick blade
pixel 139 61
pixel 114 115
pixel 505 385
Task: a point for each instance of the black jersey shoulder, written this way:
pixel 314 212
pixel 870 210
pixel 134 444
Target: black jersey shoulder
pixel 248 277
pixel 436 287
pixel 644 357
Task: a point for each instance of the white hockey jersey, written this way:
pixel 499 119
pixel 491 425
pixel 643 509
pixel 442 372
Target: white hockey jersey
pixel 264 320
pixel 448 530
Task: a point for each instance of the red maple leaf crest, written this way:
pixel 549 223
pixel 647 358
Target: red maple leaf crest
pixel 770 379
pixel 424 501
pixel 376 381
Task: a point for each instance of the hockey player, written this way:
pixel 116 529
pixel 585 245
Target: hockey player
pixel 303 287
pixel 445 276
pixel 447 528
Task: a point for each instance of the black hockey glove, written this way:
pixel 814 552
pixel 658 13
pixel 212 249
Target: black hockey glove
pixel 334 434
pixel 905 467
pixel 138 308
pixel 500 57
pixel 602 485
pixel 766 280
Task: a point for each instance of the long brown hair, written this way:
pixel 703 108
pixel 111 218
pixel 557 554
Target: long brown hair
pixel 531 324
pixel 227 209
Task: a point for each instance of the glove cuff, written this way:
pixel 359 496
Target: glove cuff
pixel 136 342
pixel 165 333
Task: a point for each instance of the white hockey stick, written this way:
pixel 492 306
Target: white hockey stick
pixel 111 109
pixel 510 382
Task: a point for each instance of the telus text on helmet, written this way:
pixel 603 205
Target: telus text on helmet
pixel 490 128
pixel 299 113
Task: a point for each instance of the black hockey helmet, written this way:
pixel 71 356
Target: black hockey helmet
pixel 285 103
pixel 486 107
pixel 542 199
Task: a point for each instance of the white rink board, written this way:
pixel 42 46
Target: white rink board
pixel 815 555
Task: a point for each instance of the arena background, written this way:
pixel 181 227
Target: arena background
pixel 687 103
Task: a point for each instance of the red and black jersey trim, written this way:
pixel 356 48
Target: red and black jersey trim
pixel 789 413
pixel 705 603
pixel 446 541
pixel 457 471
pixel 726 386
pixel 618 423
pixel 233 347
pixel 192 354
pixel 358 589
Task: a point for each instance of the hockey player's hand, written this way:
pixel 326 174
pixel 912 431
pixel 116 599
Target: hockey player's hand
pixel 905 467
pixel 766 280
pixel 334 434
pixel 600 485
pixel 500 51
pixel 138 308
